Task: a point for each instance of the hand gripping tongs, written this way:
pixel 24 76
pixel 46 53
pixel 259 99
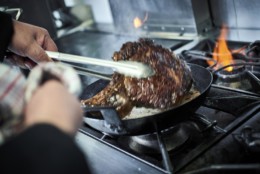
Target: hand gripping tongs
pixel 127 68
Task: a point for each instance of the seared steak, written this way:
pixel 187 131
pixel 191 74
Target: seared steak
pixel 172 80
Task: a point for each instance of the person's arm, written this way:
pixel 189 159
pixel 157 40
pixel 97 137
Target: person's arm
pixel 6 32
pixel 46 145
pixel 51 103
pixel 42 149
pixel 27 42
pixel 51 118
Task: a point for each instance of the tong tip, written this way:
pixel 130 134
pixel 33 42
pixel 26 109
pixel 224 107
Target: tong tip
pixel 138 69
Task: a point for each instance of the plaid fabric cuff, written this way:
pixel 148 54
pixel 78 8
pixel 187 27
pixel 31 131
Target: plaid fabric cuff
pixel 11 99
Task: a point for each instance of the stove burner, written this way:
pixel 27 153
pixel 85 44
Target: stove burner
pixel 237 78
pixel 173 138
pixel 246 68
pixel 235 75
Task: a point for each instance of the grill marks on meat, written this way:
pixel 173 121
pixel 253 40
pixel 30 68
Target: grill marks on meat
pixel 172 80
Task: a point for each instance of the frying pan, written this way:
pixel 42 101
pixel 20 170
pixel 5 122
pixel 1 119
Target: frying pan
pixel 110 123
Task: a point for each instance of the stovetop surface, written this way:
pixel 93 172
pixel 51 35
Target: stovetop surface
pixel 222 136
pixel 210 141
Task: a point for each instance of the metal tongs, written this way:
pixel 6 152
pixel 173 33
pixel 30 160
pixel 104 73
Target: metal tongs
pixel 127 68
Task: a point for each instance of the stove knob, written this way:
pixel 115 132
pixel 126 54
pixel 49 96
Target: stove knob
pixel 253 49
pixel 249 139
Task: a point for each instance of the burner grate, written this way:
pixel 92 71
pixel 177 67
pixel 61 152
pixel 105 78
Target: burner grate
pixel 246 67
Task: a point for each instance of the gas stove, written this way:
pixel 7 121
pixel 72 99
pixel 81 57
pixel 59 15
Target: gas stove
pixel 221 136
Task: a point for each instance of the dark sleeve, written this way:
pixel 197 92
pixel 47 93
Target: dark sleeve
pixel 6 32
pixel 42 149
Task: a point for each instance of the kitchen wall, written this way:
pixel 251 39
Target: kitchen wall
pixel 236 13
pixel 174 15
pixel 168 15
pixel 100 9
pixel 241 16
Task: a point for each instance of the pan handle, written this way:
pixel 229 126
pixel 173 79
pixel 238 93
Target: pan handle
pixel 111 118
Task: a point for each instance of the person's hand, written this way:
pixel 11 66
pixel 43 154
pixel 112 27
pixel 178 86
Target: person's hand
pixel 29 43
pixel 53 104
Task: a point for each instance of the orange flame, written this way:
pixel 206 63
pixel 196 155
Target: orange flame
pixel 138 22
pixel 221 52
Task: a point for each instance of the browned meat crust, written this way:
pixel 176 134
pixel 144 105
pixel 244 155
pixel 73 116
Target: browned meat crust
pixel 172 80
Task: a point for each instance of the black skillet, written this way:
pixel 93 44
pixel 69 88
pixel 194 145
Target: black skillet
pixel 110 123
